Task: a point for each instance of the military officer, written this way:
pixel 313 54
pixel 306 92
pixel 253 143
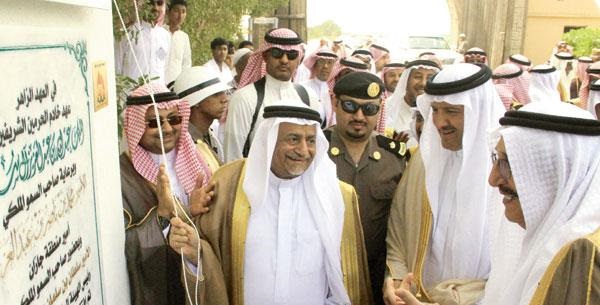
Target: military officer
pixel 370 162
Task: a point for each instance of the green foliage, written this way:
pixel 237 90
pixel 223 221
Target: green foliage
pixel 206 19
pixel 583 40
pixel 124 86
pixel 328 29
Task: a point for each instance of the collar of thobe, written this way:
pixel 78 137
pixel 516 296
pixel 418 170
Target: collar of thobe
pixel 275 84
pixel 176 186
pixel 286 189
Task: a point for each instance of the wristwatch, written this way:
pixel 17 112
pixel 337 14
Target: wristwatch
pixel 163 222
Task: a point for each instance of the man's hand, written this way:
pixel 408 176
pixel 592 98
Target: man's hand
pixel 405 294
pixel 401 136
pixel 201 197
pixel 166 202
pixel 183 239
pixel 389 287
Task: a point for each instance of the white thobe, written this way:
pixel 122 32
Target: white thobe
pixel 322 91
pixel 437 267
pixel 241 110
pixel 284 255
pixel 180 55
pixel 224 72
pixel 402 121
pixel 151 46
pixel 302 74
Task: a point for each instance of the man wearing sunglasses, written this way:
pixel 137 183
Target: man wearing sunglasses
pixel 266 79
pixel 153 268
pixel 151 46
pixel 372 163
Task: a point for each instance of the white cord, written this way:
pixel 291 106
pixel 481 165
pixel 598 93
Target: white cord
pixel 162 148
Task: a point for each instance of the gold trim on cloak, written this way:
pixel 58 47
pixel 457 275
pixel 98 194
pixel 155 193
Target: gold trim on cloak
pixel 424 236
pixel 539 296
pixel 349 249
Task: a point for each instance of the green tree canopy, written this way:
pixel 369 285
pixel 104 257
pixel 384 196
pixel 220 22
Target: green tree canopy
pixel 207 19
pixel 583 40
pixel 327 29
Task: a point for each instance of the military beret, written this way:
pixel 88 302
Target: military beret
pixel 363 85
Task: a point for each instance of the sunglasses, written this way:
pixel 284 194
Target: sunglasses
pixel 368 109
pixel 173 121
pixel 278 53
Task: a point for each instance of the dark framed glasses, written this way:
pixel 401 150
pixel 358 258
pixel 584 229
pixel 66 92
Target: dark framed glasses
pixel 278 53
pixel 173 121
pixel 368 109
pixel 503 166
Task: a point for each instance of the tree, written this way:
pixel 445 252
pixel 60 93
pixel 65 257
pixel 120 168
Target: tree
pixel 583 40
pixel 327 29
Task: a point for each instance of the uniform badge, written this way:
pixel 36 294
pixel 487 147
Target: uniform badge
pixel 403 148
pixel 334 151
pixel 376 155
pixel 373 90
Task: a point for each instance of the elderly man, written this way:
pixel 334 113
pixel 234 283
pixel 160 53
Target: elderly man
pixel 320 64
pixel 372 163
pixel 220 48
pixel 153 268
pixel 180 55
pixel 411 84
pixel 266 79
pixel 553 195
pixel 151 46
pixel 281 220
pixel 439 227
pixel 207 95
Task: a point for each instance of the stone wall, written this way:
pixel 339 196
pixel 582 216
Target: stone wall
pixel 497 26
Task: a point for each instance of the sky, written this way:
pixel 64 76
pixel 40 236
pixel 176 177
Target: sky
pixel 404 17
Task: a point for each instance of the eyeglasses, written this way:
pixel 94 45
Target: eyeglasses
pixel 503 166
pixel 156 2
pixel 278 53
pixel 368 109
pixel 173 121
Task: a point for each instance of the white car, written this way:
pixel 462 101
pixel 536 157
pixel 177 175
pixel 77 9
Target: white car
pixel 417 45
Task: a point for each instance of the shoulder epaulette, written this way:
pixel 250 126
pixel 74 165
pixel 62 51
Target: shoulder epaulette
pixel 398 148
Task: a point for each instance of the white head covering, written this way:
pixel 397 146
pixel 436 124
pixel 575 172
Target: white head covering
pixel 197 83
pixel 557 177
pixel 468 233
pixel 395 105
pixel 544 84
pixel 594 97
pixel 563 59
pixel 326 203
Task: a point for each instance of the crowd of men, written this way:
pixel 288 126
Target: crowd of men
pixel 271 176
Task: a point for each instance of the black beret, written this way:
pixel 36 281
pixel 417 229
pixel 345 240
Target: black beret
pixel 363 85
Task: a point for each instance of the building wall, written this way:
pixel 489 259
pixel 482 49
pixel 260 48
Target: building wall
pixel 497 26
pixel 96 24
pixel 546 21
